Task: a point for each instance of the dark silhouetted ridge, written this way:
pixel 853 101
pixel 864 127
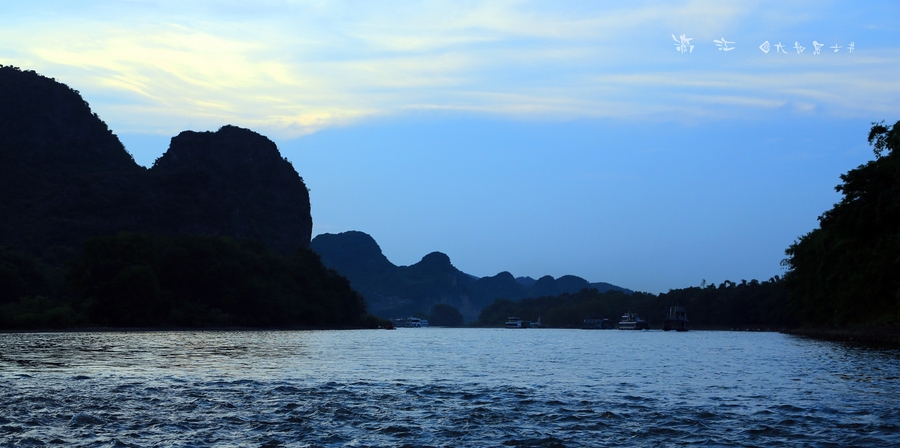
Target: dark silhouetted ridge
pixel 65 177
pixel 90 238
pixel 355 254
pixel 393 291
pixel 233 182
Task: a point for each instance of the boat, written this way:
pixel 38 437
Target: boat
pixel 676 319
pixel 597 323
pixel 631 321
pixel 515 322
pixel 410 322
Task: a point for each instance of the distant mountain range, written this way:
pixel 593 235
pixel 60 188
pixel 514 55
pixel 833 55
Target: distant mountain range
pixel 395 291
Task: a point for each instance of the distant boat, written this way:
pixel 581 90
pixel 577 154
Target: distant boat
pixel 515 322
pixel 631 321
pixel 676 319
pixel 410 322
pixel 597 323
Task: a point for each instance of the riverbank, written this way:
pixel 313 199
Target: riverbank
pixel 369 325
pixel 886 335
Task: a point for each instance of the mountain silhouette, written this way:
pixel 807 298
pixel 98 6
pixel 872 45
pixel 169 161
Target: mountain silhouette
pixel 395 291
pixel 65 177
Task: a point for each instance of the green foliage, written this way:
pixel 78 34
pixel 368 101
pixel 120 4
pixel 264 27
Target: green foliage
pixel 735 305
pixel 567 310
pixel 133 280
pixel 444 315
pixel 496 313
pixel 22 275
pixel 570 310
pixel 32 293
pixel 38 313
pixel 847 271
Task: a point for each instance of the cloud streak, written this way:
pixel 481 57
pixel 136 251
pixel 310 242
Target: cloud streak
pixel 292 68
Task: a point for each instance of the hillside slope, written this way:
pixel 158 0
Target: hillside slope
pixel 65 177
pixel 394 291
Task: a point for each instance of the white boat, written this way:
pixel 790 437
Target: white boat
pixel 515 322
pixel 597 323
pixel 631 321
pixel 410 322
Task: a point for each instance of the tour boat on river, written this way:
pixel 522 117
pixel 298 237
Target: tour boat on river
pixel 411 322
pixel 676 319
pixel 515 322
pixel 631 321
pixel 597 323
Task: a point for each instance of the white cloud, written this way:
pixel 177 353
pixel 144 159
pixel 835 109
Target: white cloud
pixel 295 67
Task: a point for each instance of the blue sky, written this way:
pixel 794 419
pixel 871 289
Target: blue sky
pixel 532 137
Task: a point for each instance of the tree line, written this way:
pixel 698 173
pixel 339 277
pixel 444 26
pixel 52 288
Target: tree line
pixel 146 280
pixel 751 304
pixel 846 272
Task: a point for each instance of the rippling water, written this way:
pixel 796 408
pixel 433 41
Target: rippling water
pixel 444 387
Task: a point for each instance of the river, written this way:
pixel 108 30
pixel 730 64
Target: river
pixel 444 387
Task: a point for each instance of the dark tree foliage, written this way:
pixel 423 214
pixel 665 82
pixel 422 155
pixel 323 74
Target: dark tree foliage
pixel 847 271
pixel 22 275
pixel 752 304
pixel 496 313
pixel 32 293
pixel 64 176
pixel 444 315
pixel 134 280
pixel 567 310
pixel 731 305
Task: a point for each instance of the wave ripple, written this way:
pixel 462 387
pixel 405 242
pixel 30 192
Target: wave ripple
pixel 303 397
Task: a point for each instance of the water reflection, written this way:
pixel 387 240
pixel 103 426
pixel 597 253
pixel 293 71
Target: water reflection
pixel 445 387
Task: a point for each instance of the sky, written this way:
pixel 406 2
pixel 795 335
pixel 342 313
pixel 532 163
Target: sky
pixel 652 145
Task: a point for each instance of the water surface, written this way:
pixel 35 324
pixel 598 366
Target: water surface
pixel 444 387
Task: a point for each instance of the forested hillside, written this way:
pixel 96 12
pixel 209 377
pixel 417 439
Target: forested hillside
pixel 846 272
pixel 219 226
pixel 65 177
pixel 141 280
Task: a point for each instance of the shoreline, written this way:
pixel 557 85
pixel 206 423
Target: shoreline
pixel 181 329
pixel 887 335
